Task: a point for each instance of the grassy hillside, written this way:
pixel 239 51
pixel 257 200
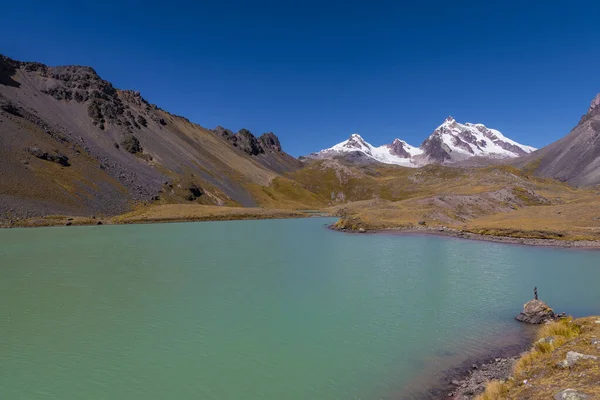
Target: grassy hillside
pixel 71 143
pixel 538 374
pixel 497 200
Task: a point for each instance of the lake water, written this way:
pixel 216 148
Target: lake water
pixel 278 309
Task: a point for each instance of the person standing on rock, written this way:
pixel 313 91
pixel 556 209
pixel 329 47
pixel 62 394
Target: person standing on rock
pixel 535 294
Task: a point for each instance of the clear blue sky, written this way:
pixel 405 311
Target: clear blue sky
pixel 313 72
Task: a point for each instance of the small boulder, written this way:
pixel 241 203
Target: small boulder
pixel 536 312
pixel 421 222
pixel 549 340
pixel 362 230
pixel 195 192
pixel 570 394
pixel 573 358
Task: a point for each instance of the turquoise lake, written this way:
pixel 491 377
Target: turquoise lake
pixel 271 309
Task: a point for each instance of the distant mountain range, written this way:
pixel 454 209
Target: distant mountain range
pixel 72 144
pixel 450 142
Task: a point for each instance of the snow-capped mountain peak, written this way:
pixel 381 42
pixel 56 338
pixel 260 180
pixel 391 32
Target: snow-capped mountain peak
pixel 449 142
pixel 354 142
pixel 453 141
pixel 398 152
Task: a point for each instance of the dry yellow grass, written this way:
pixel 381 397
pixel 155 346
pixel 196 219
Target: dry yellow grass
pixel 283 193
pixel 525 362
pixel 166 213
pixel 55 220
pixel 536 375
pixel 494 390
pixel 197 212
pixel 565 328
pixel 498 200
pixel 573 220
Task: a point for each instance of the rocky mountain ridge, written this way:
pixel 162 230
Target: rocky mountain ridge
pixel 72 143
pixel 576 157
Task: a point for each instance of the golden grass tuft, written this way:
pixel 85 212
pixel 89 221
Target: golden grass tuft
pixel 535 375
pixel 494 390
pixel 564 328
pixel 526 361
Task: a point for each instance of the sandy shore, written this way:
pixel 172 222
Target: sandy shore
pixel 161 214
pixel 448 232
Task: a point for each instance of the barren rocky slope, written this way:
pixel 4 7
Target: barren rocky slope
pixel 576 157
pixel 71 143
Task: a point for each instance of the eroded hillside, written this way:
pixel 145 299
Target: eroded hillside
pixel 71 143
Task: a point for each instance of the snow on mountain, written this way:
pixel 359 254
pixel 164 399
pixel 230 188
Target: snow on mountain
pixel 398 152
pixel 450 142
pixel 453 141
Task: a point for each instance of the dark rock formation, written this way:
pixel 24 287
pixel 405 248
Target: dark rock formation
pixel 247 142
pixel 10 108
pixel 358 157
pixel 43 155
pixel 142 121
pixel 250 144
pixel 435 149
pixel 536 312
pixel 397 148
pixel 131 144
pixel 244 140
pixel 224 133
pixel 269 142
pixel 195 192
pixel 8 68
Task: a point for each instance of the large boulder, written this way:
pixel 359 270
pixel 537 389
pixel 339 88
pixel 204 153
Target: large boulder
pixel 573 358
pixel 536 312
pixel 570 394
pixel 43 155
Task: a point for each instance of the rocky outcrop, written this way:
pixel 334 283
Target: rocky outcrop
pixel 195 192
pixel 435 149
pixel 247 142
pixel 44 155
pixel 536 312
pixel 250 144
pixel 595 104
pixel 398 148
pixel 570 394
pixel 131 144
pixel 223 132
pixel 573 358
pixel 269 142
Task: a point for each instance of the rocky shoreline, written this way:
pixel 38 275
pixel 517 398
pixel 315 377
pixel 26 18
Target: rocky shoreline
pixel 473 380
pixel 466 379
pixel 449 232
